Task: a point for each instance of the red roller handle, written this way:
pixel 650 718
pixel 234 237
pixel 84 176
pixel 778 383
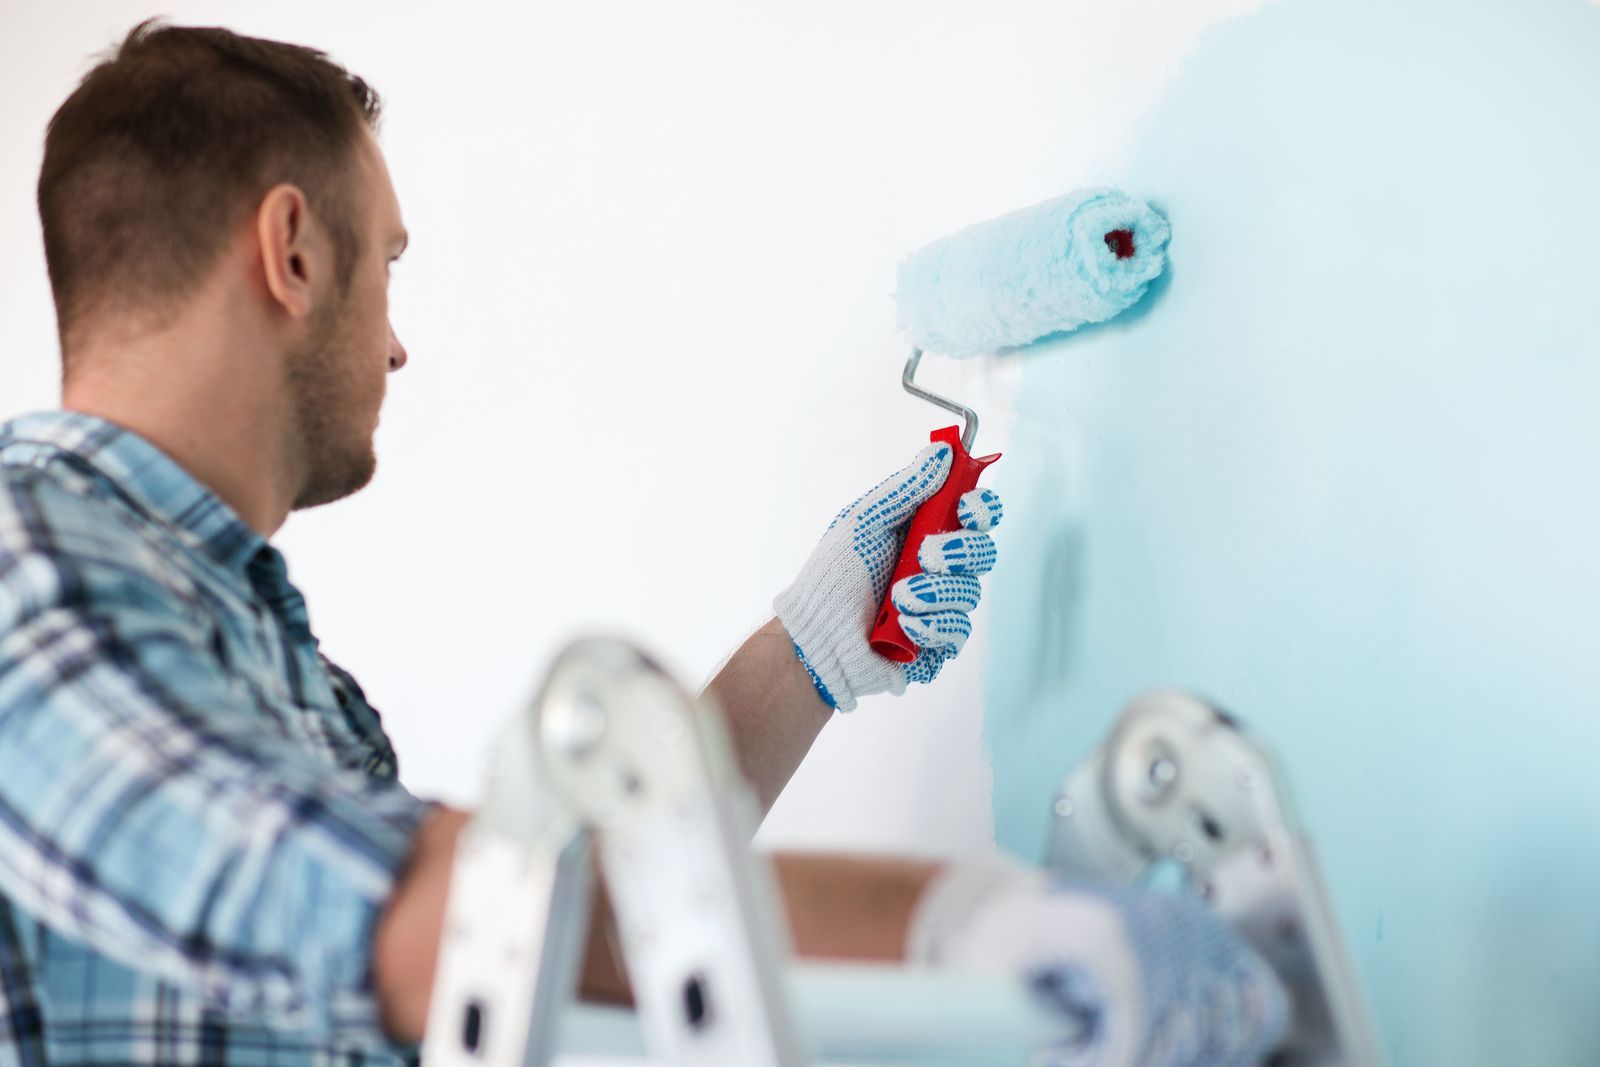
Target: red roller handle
pixel 936 515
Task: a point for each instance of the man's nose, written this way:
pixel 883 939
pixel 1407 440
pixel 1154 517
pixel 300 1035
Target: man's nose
pixel 397 352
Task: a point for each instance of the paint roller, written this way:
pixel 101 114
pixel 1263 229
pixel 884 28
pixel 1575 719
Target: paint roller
pixel 1008 282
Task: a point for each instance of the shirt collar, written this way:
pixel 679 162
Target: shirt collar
pixel 147 477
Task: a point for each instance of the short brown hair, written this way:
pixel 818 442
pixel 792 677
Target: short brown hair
pixel 170 142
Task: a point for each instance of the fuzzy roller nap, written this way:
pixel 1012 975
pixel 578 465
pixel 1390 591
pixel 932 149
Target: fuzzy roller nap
pixel 1043 270
pixel 1067 262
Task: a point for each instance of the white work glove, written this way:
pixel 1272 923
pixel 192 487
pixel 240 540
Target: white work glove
pixel 1151 978
pixel 834 602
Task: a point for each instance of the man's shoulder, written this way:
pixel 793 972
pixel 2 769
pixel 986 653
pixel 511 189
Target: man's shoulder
pixel 58 510
pixel 65 537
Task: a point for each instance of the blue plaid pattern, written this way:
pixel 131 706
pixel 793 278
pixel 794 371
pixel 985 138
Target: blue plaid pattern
pixel 199 814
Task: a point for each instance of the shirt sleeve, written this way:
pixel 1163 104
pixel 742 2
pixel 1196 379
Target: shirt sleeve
pixel 145 812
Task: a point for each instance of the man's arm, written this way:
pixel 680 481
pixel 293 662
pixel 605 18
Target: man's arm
pixel 772 710
pixel 405 944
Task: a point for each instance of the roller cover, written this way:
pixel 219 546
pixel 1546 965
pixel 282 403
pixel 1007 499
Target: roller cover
pixel 1055 266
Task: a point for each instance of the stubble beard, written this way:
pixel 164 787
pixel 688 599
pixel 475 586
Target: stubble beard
pixel 332 436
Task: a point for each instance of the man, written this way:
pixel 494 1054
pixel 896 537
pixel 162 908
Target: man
pixel 205 855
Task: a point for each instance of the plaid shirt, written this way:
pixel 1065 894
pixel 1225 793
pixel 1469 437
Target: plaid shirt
pixel 199 816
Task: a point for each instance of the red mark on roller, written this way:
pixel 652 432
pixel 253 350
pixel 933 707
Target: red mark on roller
pixel 1121 243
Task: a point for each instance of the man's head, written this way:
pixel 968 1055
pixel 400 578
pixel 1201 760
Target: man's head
pixel 194 161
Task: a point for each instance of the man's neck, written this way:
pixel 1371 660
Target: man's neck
pixel 212 404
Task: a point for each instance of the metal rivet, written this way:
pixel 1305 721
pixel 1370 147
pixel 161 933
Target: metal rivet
pixel 576 725
pixel 1163 772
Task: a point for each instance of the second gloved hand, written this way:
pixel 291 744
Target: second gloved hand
pixel 1138 976
pixel 832 604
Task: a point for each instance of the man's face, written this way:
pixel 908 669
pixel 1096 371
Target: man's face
pixel 337 374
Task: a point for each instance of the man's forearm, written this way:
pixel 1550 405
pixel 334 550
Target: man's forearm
pixel 405 945
pixel 772 710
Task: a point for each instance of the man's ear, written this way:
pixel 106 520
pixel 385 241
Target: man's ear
pixel 289 250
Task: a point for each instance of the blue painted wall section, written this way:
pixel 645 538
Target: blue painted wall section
pixel 1341 473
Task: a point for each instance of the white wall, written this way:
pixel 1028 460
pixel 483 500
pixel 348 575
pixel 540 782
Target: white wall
pixel 653 347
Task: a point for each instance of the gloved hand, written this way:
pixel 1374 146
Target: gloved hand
pixel 1149 978
pixel 833 603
